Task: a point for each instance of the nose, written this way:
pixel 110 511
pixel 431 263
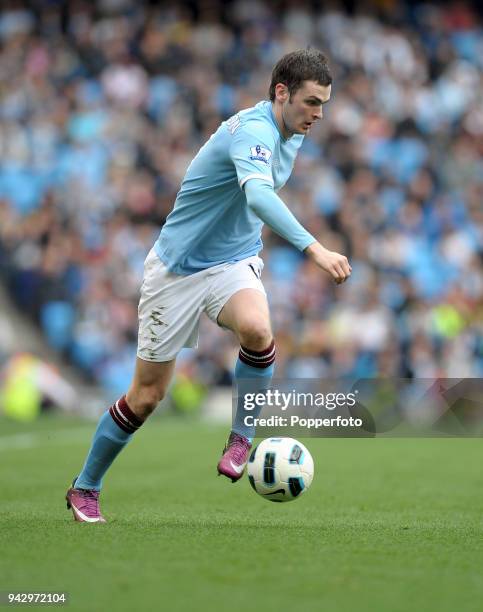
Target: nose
pixel 319 113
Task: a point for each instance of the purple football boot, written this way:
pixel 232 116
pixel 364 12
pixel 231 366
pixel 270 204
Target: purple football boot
pixel 84 504
pixel 235 456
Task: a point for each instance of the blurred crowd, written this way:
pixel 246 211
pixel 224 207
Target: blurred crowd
pixel 103 105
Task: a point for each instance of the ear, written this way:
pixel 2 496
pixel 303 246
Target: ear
pixel 281 92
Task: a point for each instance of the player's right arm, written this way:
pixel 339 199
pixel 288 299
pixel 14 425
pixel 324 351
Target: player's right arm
pixel 251 152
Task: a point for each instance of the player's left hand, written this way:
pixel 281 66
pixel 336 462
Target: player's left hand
pixel 333 263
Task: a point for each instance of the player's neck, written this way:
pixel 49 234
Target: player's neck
pixel 282 127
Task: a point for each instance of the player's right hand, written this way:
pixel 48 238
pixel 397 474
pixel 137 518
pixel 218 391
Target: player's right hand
pixel 333 263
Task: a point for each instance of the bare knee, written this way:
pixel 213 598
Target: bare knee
pixel 254 334
pixel 151 379
pixel 142 400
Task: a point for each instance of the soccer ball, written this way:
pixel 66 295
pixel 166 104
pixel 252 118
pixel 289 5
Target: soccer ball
pixel 280 469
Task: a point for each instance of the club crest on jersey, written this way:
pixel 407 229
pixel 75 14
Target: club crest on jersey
pixel 259 153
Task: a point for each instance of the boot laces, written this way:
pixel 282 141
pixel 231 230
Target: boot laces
pixel 239 447
pixel 91 502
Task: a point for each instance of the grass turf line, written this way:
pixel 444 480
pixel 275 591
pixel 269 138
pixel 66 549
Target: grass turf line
pixel 388 524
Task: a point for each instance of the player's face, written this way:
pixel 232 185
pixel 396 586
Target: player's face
pixel 304 108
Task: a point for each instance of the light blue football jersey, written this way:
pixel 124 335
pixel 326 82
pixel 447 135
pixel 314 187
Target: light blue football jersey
pixel 211 222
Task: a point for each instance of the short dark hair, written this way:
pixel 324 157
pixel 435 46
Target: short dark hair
pixel 298 66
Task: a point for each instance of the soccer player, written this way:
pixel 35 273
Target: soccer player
pixel 206 260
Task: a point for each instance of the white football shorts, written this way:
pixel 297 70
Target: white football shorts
pixel 171 305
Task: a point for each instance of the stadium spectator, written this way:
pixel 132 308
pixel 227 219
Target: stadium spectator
pixel 103 106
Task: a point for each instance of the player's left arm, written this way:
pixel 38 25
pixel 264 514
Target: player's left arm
pixel 266 204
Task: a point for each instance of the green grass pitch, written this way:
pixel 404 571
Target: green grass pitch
pixel 388 524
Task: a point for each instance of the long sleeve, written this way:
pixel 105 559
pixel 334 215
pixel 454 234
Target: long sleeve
pixel 266 204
